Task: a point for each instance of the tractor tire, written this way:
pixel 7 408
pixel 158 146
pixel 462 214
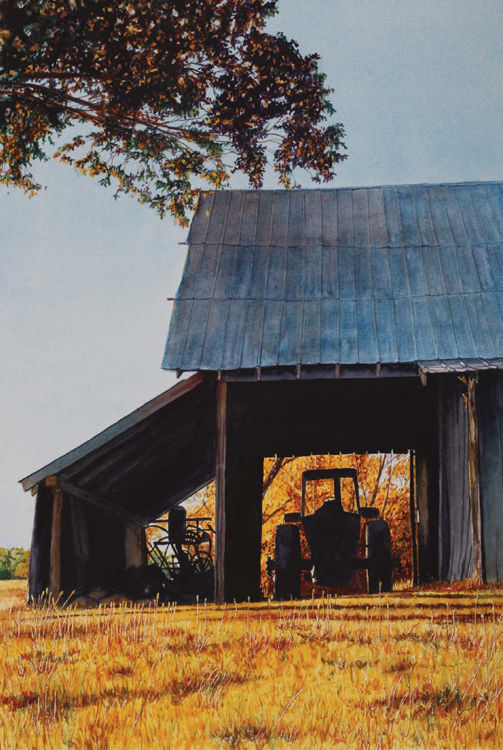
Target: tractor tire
pixel 380 570
pixel 287 563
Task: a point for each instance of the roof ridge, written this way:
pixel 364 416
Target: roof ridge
pixel 444 183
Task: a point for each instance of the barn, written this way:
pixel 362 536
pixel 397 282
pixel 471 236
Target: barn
pixel 315 321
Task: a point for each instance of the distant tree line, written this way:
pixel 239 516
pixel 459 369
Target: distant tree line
pixel 14 563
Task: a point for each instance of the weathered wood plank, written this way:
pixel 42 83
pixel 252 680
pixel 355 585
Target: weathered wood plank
pixel 490 416
pixel 220 536
pixel 55 553
pixel 41 543
pixel 455 517
pixel 243 495
pixel 474 474
pixel 135 549
pixel 107 505
pixel 413 516
pixel 427 507
pixel 79 543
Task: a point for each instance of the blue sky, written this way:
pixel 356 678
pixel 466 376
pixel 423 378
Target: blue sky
pixel 84 278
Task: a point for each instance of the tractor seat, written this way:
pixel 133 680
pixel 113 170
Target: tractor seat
pixel 332 506
pixel 332 534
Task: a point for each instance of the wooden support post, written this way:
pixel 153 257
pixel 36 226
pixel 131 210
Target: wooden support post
pixel 490 434
pixel 244 481
pixel 413 516
pixel 456 539
pixel 55 554
pixel 427 506
pixel 474 474
pixel 220 492
pixel 40 543
pixel 134 546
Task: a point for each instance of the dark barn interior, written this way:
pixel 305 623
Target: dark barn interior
pixel 347 320
pixel 101 513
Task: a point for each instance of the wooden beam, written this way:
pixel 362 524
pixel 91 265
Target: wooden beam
pixel 414 517
pixel 426 502
pixel 474 474
pixel 220 492
pixel 321 372
pixel 55 553
pixel 107 505
pixel 134 546
pixel 40 543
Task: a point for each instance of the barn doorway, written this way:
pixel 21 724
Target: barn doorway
pixel 385 483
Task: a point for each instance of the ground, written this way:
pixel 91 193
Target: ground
pixel 409 669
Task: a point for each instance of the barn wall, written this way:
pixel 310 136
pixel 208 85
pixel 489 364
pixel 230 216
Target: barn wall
pixel 80 548
pixel 454 519
pixel 490 413
pixel 96 549
pixel 38 578
pixel 75 547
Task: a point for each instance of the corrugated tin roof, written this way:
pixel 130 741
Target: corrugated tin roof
pixel 350 275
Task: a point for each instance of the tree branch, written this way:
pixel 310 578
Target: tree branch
pixel 278 464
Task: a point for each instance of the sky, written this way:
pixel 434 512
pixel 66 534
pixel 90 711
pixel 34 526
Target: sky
pixel 84 279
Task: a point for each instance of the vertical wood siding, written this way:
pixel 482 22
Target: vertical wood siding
pixel 455 522
pixel 490 411
pixel 38 578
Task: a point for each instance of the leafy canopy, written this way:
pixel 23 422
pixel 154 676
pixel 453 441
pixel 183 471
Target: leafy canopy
pixel 159 95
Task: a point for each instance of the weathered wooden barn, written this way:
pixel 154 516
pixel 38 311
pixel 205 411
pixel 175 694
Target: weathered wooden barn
pixel 317 321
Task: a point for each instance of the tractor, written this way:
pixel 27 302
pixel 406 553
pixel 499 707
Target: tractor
pixel 334 538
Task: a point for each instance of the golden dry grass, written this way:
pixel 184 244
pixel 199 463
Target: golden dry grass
pixel 410 669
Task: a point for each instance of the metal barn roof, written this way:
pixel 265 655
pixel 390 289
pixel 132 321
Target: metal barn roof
pixel 398 274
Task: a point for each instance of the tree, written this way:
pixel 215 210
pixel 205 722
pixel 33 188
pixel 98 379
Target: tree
pixel 14 563
pixel 159 97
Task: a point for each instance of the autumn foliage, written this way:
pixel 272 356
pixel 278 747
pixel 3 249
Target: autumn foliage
pixel 160 98
pixel 383 481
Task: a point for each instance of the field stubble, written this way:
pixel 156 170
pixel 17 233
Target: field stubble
pixel 409 669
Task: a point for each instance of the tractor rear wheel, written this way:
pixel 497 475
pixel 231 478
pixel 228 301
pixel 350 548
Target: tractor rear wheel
pixel 380 570
pixel 287 563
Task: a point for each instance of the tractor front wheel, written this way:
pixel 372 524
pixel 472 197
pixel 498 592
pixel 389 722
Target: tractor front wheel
pixel 380 570
pixel 287 563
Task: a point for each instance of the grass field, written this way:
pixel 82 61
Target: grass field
pixel 410 669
